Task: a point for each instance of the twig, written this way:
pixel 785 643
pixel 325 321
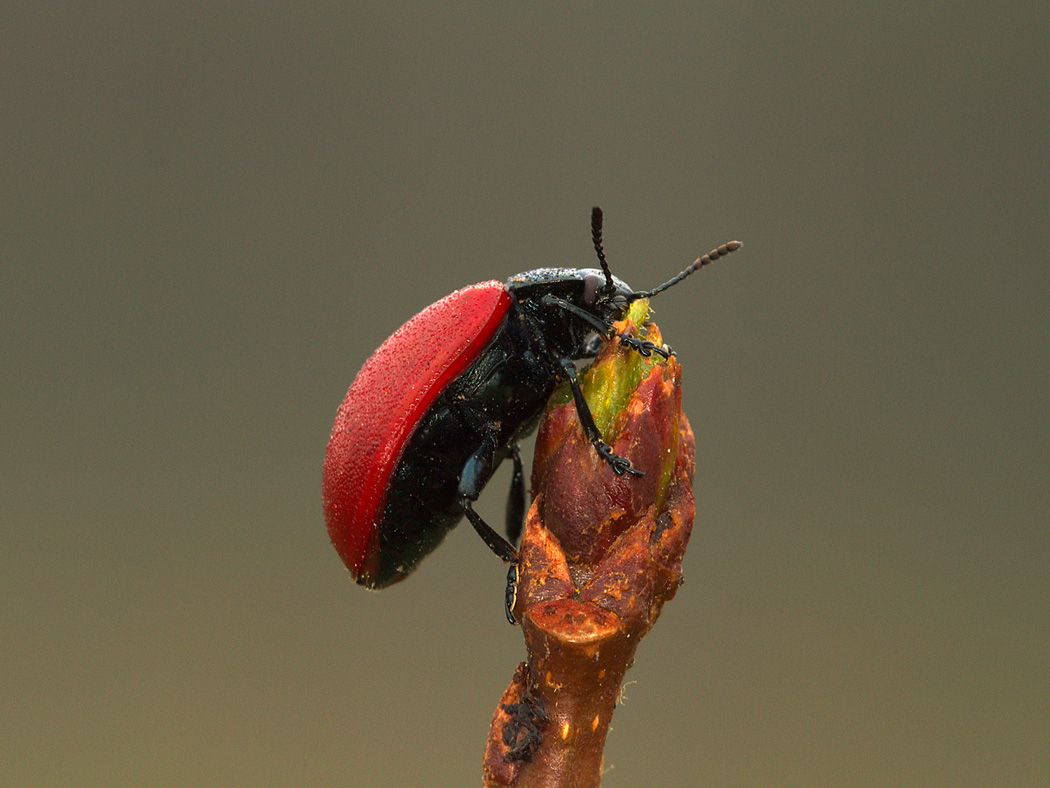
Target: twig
pixel 599 557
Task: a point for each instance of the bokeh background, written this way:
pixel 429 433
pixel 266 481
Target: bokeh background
pixel 212 214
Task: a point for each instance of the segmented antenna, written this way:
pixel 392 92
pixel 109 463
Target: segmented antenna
pixel 596 236
pixel 707 259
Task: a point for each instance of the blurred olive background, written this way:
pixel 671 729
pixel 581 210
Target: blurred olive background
pixel 213 213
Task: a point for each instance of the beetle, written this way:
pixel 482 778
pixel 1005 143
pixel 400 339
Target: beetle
pixel 446 398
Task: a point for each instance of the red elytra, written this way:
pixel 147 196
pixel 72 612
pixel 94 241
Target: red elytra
pixel 385 403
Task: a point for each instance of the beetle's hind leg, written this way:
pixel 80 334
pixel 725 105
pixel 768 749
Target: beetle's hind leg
pixel 475 473
pixel 516 497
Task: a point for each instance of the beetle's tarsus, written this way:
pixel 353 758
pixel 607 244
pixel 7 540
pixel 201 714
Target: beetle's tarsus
pixel 511 594
pixel 644 347
pixel 620 465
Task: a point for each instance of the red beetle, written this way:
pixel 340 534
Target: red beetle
pixel 445 400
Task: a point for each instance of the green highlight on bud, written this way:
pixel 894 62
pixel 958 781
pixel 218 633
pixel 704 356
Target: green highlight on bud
pixel 611 380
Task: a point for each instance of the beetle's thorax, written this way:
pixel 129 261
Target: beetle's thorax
pixel 540 297
pixel 562 281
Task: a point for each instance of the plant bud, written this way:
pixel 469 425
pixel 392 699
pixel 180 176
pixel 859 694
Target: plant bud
pixel 636 403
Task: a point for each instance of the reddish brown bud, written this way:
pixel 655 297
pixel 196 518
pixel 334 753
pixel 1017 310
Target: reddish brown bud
pixel 636 403
pixel 599 557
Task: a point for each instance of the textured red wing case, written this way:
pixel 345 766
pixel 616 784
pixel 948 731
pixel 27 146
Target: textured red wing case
pixel 385 403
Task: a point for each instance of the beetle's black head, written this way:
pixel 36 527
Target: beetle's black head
pixel 572 303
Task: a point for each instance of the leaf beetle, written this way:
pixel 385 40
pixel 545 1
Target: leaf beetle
pixel 445 399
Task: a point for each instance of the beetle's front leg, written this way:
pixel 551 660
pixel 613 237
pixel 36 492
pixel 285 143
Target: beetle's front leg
pixel 619 464
pixel 644 347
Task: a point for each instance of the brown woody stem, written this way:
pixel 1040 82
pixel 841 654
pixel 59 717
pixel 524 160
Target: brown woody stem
pixel 582 625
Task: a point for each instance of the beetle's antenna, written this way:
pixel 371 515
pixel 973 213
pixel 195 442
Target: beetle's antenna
pixel 707 259
pixel 596 236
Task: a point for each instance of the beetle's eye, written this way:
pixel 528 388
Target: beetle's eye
pixel 591 283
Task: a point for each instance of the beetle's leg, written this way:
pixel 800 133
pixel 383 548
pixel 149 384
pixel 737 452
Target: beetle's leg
pixel 643 346
pixel 497 544
pixel 475 473
pixel 505 550
pixel 516 497
pixel 515 522
pixel 510 596
pixel 619 464
pixel 601 326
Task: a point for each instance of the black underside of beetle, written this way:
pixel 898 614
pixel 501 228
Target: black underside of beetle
pixel 505 390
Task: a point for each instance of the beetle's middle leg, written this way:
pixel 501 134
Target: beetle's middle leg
pixel 516 497
pixel 619 464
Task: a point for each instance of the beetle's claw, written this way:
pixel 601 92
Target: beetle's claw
pixel 620 465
